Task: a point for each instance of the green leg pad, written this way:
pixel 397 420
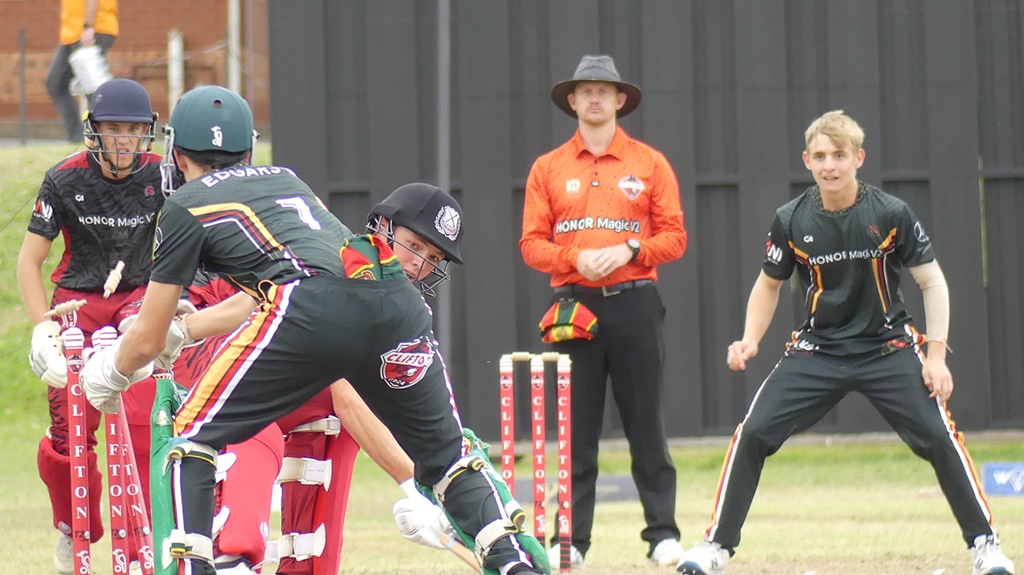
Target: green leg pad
pixel 523 535
pixel 169 396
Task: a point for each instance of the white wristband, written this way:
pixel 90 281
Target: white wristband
pixel 409 488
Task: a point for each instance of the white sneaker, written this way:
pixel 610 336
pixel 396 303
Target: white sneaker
pixel 555 557
pixel 667 552
pixel 987 558
pixel 64 555
pixel 705 558
pixel 135 568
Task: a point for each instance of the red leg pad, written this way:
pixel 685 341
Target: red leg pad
pixel 305 507
pixel 55 471
pixel 246 491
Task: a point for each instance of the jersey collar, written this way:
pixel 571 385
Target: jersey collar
pixel 617 148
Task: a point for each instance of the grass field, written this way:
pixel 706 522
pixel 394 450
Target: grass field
pixel 837 507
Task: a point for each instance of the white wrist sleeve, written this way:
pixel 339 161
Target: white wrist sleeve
pixel 409 488
pixel 935 291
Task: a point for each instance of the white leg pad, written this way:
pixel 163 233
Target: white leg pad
pixel 306 471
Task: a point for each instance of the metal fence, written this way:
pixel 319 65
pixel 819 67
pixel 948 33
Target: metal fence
pixel 729 87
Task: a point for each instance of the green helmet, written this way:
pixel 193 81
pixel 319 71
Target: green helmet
pixel 206 119
pixel 212 118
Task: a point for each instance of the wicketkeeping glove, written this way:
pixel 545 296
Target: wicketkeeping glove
pixel 101 381
pixel 419 520
pixel 46 356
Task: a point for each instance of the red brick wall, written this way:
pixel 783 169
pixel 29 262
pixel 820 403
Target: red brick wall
pixel 139 53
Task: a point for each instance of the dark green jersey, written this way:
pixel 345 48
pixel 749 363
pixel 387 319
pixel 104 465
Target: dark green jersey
pixel 248 224
pixel 848 264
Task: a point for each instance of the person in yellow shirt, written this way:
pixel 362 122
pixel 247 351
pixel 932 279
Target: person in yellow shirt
pixel 82 23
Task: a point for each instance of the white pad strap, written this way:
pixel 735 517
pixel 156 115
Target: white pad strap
pixel 181 545
pixel 306 471
pixel 329 425
pixel 497 529
pixel 470 461
pixel 224 463
pixel 300 546
pixel 220 519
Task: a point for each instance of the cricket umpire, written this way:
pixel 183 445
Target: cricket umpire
pixel 602 211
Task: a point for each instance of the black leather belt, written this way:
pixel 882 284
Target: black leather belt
pixel 606 291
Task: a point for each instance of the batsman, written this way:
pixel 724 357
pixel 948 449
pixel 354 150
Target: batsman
pixel 328 305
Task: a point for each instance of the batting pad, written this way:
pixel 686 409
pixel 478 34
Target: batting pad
pixel 169 396
pixel 475 446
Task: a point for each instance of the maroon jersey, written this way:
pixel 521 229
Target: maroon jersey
pixel 101 220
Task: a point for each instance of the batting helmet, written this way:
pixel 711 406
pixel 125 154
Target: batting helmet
pixel 212 118
pixel 425 209
pixel 120 100
pixel 207 119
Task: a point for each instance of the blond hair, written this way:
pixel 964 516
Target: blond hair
pixel 842 129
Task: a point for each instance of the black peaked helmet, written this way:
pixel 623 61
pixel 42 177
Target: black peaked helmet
pixel 429 212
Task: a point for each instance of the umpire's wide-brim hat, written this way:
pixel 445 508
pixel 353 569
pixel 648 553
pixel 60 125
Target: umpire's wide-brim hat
pixel 596 69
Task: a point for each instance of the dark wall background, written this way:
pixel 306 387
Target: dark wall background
pixel 729 87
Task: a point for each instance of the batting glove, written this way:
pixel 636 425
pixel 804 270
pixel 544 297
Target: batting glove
pixel 419 520
pixel 46 355
pixel 178 337
pixel 101 381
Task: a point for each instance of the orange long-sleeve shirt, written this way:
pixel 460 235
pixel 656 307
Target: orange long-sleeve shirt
pixel 576 201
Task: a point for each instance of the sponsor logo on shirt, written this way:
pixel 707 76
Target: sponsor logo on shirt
pixel 803 345
pixel 632 186
pixel 919 233
pixel 572 187
pixel 42 210
pixel 844 255
pixel 772 252
pixel 406 364
pixel 116 221
pixel 591 223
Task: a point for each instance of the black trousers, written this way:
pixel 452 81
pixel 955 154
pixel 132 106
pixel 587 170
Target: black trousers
pixel 629 349
pixel 804 386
